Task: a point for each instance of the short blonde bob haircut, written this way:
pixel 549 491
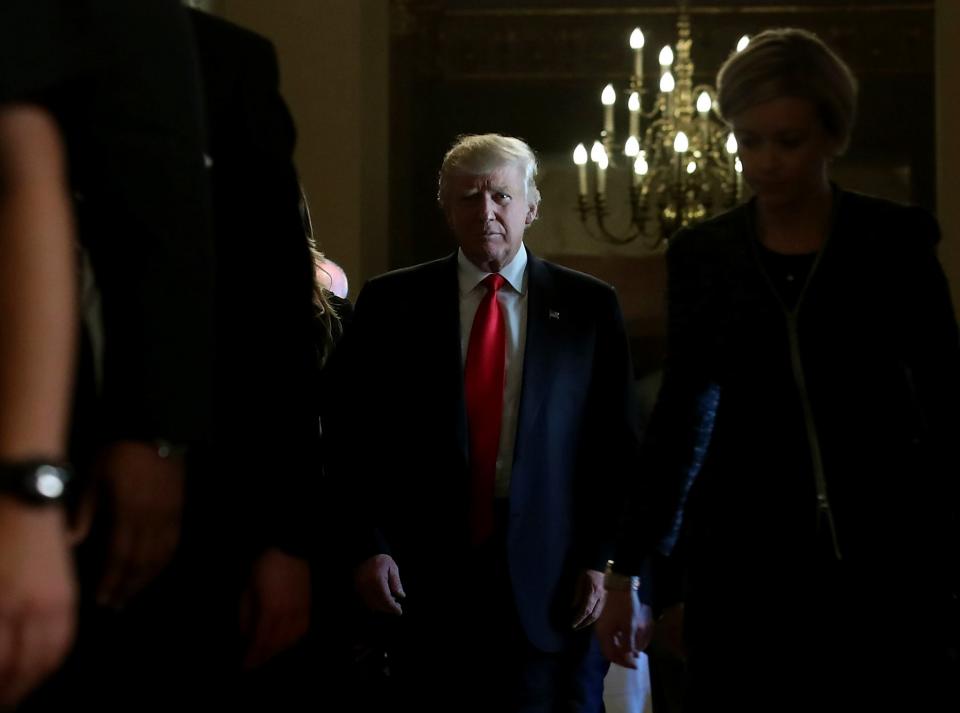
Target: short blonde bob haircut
pixel 790 62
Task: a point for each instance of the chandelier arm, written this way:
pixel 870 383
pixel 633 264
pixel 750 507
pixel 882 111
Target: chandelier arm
pixel 616 239
pixel 600 202
pixel 605 235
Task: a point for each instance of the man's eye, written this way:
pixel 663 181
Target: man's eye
pixel 502 197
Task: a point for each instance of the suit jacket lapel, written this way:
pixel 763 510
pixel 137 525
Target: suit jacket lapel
pixel 449 356
pixel 543 317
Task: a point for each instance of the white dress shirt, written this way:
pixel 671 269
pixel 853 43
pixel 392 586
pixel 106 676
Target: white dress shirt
pixel 513 303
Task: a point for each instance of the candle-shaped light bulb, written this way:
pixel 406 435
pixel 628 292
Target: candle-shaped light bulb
pixel 633 104
pixel 609 96
pixel 704 102
pixel 737 165
pixel 580 159
pixel 681 143
pixel 691 167
pixel 632 147
pixel 636 44
pixel 731 144
pixel 597 152
pixel 640 169
pixel 640 166
pixel 742 43
pixel 666 56
pixel 580 155
pixel 602 174
pixel 667 83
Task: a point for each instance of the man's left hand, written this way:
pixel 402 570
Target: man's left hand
pixel 589 599
pixel 144 494
pixel 275 608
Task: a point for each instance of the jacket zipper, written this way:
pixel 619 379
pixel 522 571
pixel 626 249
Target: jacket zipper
pixel 824 512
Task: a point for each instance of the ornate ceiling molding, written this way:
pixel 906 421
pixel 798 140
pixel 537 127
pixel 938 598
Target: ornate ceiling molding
pixel 456 43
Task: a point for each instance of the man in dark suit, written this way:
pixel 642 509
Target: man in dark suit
pixel 238 517
pixel 484 426
pixel 252 492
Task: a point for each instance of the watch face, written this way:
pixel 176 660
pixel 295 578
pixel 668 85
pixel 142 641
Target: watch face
pixel 36 482
pixel 49 482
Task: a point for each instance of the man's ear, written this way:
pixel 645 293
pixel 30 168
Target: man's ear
pixel 531 213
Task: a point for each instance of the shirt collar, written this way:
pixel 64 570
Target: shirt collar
pixel 469 275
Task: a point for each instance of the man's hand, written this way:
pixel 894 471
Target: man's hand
pixel 589 598
pixel 275 607
pixel 144 502
pixel 625 628
pixel 37 596
pixel 377 581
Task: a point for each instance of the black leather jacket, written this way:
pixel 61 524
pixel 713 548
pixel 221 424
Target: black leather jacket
pixel 827 426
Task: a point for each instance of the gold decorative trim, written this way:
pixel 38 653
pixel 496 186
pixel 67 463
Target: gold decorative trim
pixel 836 9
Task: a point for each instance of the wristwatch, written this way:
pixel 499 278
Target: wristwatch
pixel 35 482
pixel 615 582
pixel 167 449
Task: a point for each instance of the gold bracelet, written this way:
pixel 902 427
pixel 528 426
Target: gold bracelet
pixel 614 582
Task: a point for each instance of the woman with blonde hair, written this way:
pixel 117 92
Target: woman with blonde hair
pixel 799 460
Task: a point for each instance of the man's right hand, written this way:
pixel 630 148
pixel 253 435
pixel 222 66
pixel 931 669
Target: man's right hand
pixel 144 500
pixel 37 596
pixel 377 581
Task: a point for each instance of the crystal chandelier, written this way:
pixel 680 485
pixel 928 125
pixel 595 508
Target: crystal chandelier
pixel 682 159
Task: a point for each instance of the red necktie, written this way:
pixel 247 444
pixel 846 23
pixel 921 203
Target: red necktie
pixel 483 388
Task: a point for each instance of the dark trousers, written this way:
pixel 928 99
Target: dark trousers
pixel 824 637
pixel 466 650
